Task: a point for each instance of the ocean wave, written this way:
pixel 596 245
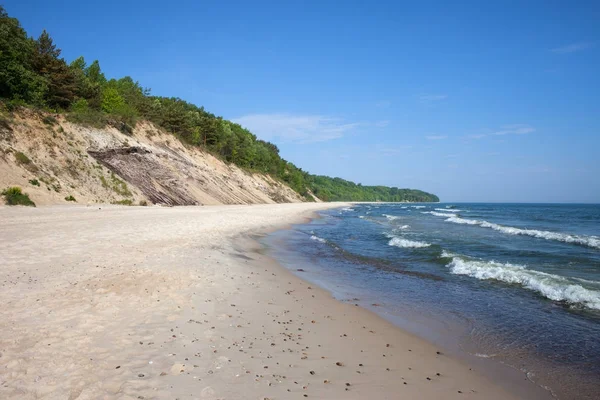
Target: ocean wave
pixel 347 209
pixel 404 207
pixel 439 214
pixel 419 206
pixel 447 254
pixel 449 210
pixel 318 239
pixel 404 227
pixel 391 217
pixel 361 216
pixel 399 242
pixel 553 287
pixel 590 241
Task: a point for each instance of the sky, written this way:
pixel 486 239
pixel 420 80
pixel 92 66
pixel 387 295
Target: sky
pixel 473 101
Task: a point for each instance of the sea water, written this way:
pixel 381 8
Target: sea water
pixel 517 284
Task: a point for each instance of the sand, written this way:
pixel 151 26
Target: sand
pixel 150 165
pixel 111 302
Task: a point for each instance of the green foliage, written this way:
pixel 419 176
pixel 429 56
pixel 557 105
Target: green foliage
pixel 117 185
pixel 32 72
pixel 80 106
pixel 49 120
pixel 18 80
pixel 55 71
pixel 112 101
pixel 15 104
pixel 14 196
pixel 87 89
pixel 104 182
pixel 337 189
pixel 124 202
pixel 34 182
pixel 22 158
pixel 70 198
pixel 94 74
pixel 81 113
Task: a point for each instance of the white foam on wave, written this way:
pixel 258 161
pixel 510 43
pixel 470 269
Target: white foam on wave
pixel 347 209
pixel 449 210
pixel 553 287
pixel 447 254
pixel 391 217
pixel 418 206
pixel 361 216
pixel 439 214
pixel 404 207
pixel 590 241
pixel 400 242
pixel 404 227
pixel 318 239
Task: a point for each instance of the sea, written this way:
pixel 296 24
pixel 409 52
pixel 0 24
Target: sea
pixel 516 285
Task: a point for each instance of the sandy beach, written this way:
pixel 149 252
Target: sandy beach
pixel 107 302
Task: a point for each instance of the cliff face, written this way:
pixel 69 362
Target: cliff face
pixel 51 158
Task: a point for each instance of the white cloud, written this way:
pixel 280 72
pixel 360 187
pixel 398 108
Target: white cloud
pixel 295 128
pixel 517 129
pixel 436 137
pixel 571 48
pixel 429 98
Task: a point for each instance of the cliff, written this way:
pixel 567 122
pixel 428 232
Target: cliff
pixel 52 159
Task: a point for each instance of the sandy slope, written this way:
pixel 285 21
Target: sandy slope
pixel 105 166
pixel 149 302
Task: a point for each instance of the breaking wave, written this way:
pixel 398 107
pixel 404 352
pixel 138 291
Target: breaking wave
pixel 447 254
pixel 318 239
pixel 391 217
pixel 590 241
pixel 399 242
pixel 439 214
pixel 448 209
pixel 553 287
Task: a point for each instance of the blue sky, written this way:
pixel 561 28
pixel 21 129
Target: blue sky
pixel 472 101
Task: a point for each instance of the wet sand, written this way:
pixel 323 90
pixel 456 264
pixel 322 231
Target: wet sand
pixel 164 303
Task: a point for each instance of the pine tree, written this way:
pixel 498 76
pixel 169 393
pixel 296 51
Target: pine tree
pixel 60 78
pixel 18 81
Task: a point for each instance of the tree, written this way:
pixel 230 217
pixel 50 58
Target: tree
pixel 18 80
pixel 60 79
pixel 85 88
pixel 112 101
pixel 32 71
pixel 94 73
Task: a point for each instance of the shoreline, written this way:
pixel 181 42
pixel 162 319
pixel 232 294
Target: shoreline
pixel 515 381
pixel 174 302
